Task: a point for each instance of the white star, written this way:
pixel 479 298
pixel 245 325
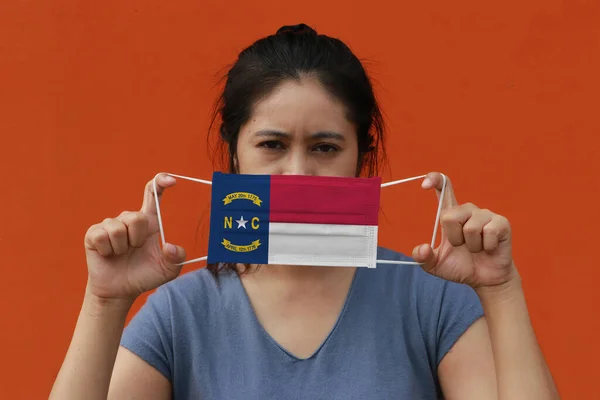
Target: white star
pixel 241 222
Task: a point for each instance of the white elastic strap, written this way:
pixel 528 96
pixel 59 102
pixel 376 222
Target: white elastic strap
pixel 437 217
pixel 160 225
pixel 435 227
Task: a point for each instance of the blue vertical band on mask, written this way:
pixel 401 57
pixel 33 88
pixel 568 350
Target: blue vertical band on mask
pixel 239 219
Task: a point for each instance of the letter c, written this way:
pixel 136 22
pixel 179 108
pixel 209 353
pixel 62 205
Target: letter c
pixel 255 219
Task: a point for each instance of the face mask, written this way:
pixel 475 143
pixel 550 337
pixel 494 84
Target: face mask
pixel 295 220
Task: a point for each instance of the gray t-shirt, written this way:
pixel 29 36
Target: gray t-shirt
pixel 396 325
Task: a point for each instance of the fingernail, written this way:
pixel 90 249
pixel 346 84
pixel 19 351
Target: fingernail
pixel 422 251
pixel 426 183
pixel 169 179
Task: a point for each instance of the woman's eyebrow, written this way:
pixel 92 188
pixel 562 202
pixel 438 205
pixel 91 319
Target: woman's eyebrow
pixel 328 135
pixel 316 135
pixel 272 133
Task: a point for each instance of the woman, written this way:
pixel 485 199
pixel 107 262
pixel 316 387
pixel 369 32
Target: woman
pixel 301 103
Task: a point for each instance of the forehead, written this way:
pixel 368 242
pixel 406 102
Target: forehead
pixel 300 107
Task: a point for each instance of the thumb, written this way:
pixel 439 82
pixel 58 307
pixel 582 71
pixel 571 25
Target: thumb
pixel 425 255
pixel 173 254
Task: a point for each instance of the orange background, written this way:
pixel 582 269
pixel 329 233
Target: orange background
pixel 97 97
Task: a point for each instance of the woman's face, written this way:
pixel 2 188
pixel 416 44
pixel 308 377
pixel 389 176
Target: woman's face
pixel 299 129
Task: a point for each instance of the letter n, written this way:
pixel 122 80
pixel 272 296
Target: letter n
pixel 228 222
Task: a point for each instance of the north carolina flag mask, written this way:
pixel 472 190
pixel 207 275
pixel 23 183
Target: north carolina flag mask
pixel 295 219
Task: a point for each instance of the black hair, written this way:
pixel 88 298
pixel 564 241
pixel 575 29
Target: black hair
pixel 292 53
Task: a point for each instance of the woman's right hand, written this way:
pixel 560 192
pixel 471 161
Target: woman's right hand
pixel 124 254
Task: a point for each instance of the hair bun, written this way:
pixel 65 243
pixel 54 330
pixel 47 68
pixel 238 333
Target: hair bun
pixel 299 29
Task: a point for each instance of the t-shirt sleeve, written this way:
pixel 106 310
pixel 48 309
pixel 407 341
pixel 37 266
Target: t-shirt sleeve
pixel 149 334
pixel 446 310
pixel 459 309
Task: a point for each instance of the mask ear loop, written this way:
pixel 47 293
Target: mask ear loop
pixel 158 215
pixel 437 218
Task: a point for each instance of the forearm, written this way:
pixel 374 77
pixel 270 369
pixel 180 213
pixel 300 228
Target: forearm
pixel 88 365
pixel 521 370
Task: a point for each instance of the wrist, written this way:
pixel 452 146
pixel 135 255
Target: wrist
pixel 508 289
pixel 99 305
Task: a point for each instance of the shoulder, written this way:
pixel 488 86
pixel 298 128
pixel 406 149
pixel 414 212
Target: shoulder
pixel 191 291
pixel 443 310
pixel 176 305
pixel 172 318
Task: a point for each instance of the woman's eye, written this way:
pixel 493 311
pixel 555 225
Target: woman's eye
pixel 272 144
pixel 326 148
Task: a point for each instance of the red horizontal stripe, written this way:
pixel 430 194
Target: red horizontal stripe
pixel 325 200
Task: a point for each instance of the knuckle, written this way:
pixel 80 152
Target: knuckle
pixel 138 217
pixel 482 214
pixel 137 222
pixel 129 217
pixel 91 229
pixel 97 235
pixel 489 214
pixel 490 230
pixel 471 229
pixel 116 229
pixel 446 216
pixel 124 214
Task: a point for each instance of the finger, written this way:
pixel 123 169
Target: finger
pixel 163 181
pixel 436 180
pixel 173 254
pixel 494 232
pixel 425 255
pixel 117 233
pixel 97 239
pixel 473 229
pixel 137 227
pixel 452 222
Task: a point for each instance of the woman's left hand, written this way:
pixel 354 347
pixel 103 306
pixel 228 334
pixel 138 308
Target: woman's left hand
pixel 476 244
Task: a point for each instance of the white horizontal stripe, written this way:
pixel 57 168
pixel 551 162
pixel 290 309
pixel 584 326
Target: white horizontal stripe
pixel 323 245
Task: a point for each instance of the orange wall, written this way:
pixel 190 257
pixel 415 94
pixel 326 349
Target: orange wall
pixel 97 97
